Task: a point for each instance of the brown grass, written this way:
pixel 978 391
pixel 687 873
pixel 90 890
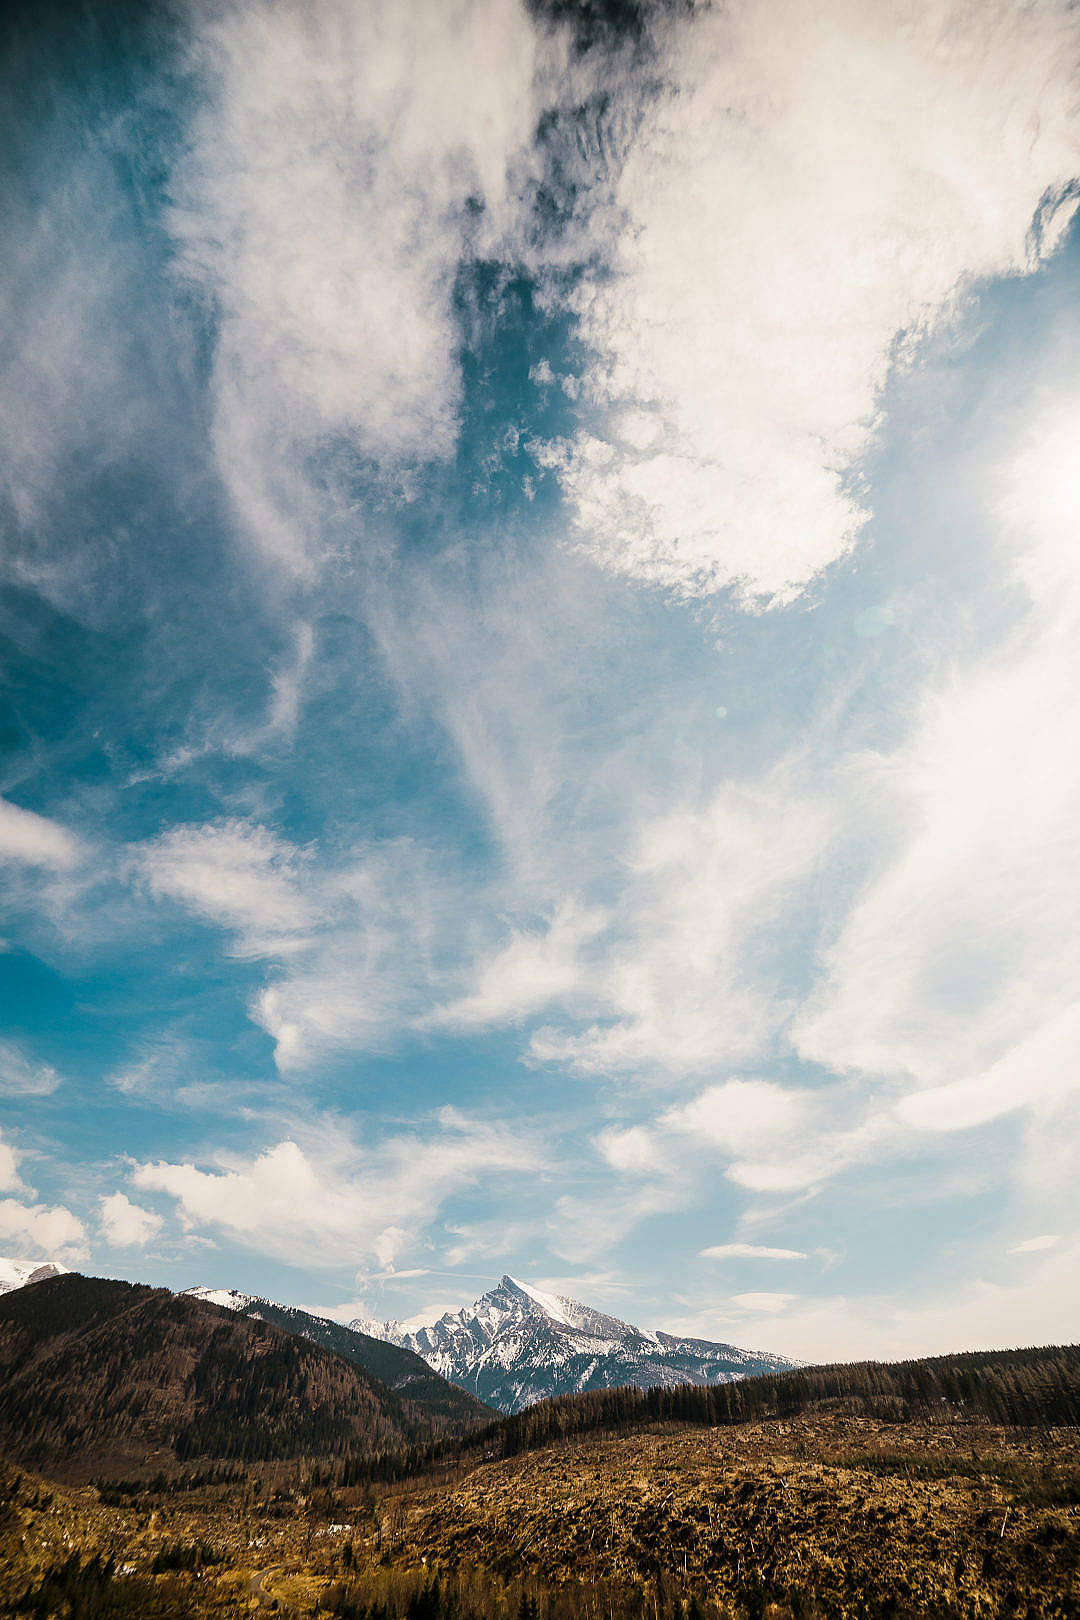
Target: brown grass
pixel 816 1517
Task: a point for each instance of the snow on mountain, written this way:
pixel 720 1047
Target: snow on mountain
pixel 231 1298
pixel 517 1344
pixel 18 1273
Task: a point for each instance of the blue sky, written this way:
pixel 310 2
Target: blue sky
pixel 538 629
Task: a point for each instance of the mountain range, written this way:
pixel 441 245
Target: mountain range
pixel 515 1345
pixel 110 1379
pixel 518 1344
pixel 399 1367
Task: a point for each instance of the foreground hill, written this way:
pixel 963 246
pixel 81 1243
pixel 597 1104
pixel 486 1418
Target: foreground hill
pixel 101 1378
pixel 518 1344
pixel 399 1368
pixel 817 1518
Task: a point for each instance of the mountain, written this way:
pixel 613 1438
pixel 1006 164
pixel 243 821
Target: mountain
pixel 396 1366
pixel 518 1344
pixel 111 1379
pixel 18 1273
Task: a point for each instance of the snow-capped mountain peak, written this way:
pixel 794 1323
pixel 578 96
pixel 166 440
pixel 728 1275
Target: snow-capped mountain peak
pixel 518 1343
pixel 231 1298
pixel 19 1273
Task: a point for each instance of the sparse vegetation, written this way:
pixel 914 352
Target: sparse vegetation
pixel 240 1469
pixel 821 1517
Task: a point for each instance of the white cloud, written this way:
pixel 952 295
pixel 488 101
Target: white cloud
pixel 979 1313
pixel 363 944
pixel 38 1229
pixel 1038 1070
pixel 536 968
pixel 957 966
pixel 750 1251
pixel 1035 1245
pixel 26 836
pixel 808 191
pixel 337 174
pixel 236 874
pixel 332 1202
pixel 22 1076
pixel 689 979
pixel 741 1116
pixel 125 1225
pixel 10 1180
pixel 762 1303
pixel 633 1150
pixel 387 945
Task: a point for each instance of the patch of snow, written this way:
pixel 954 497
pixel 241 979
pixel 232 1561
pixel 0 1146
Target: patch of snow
pixel 231 1298
pixel 19 1273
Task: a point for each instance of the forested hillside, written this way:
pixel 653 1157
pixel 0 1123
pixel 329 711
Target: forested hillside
pixel 101 1378
pixel 1036 1387
pixel 396 1366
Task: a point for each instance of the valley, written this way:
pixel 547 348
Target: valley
pixel 167 1455
pixel 823 1515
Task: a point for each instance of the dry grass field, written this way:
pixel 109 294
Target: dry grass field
pixel 819 1516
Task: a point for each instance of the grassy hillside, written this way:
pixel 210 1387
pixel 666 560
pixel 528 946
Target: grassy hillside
pixel 105 1378
pixel 816 1518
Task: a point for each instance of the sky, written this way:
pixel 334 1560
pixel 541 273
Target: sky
pixel 540 658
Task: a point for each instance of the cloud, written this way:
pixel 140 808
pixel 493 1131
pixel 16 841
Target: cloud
pixel 236 874
pixel 22 1076
pixel 361 944
pixel 38 1229
pixel 956 967
pixel 690 976
pixel 633 1150
pixel 35 1230
pixel 762 1304
pixel 9 1169
pixel 802 194
pixel 980 1312
pixel 125 1225
pixel 34 839
pixel 750 1251
pixel 586 1227
pixel 1035 1245
pixel 335 178
pixel 537 967
pixel 334 1202
pixel 740 1116
pixel 386 948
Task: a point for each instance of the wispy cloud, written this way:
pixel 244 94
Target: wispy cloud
pixel 36 840
pixel 332 1201
pixel 22 1075
pixel 236 874
pixel 1036 1245
pixel 335 180
pixel 750 1251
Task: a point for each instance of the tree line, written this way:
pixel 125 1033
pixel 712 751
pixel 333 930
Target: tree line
pixel 1036 1388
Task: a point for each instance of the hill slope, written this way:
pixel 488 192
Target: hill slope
pixel 107 1378
pixel 1036 1387
pixel 518 1344
pixel 396 1366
